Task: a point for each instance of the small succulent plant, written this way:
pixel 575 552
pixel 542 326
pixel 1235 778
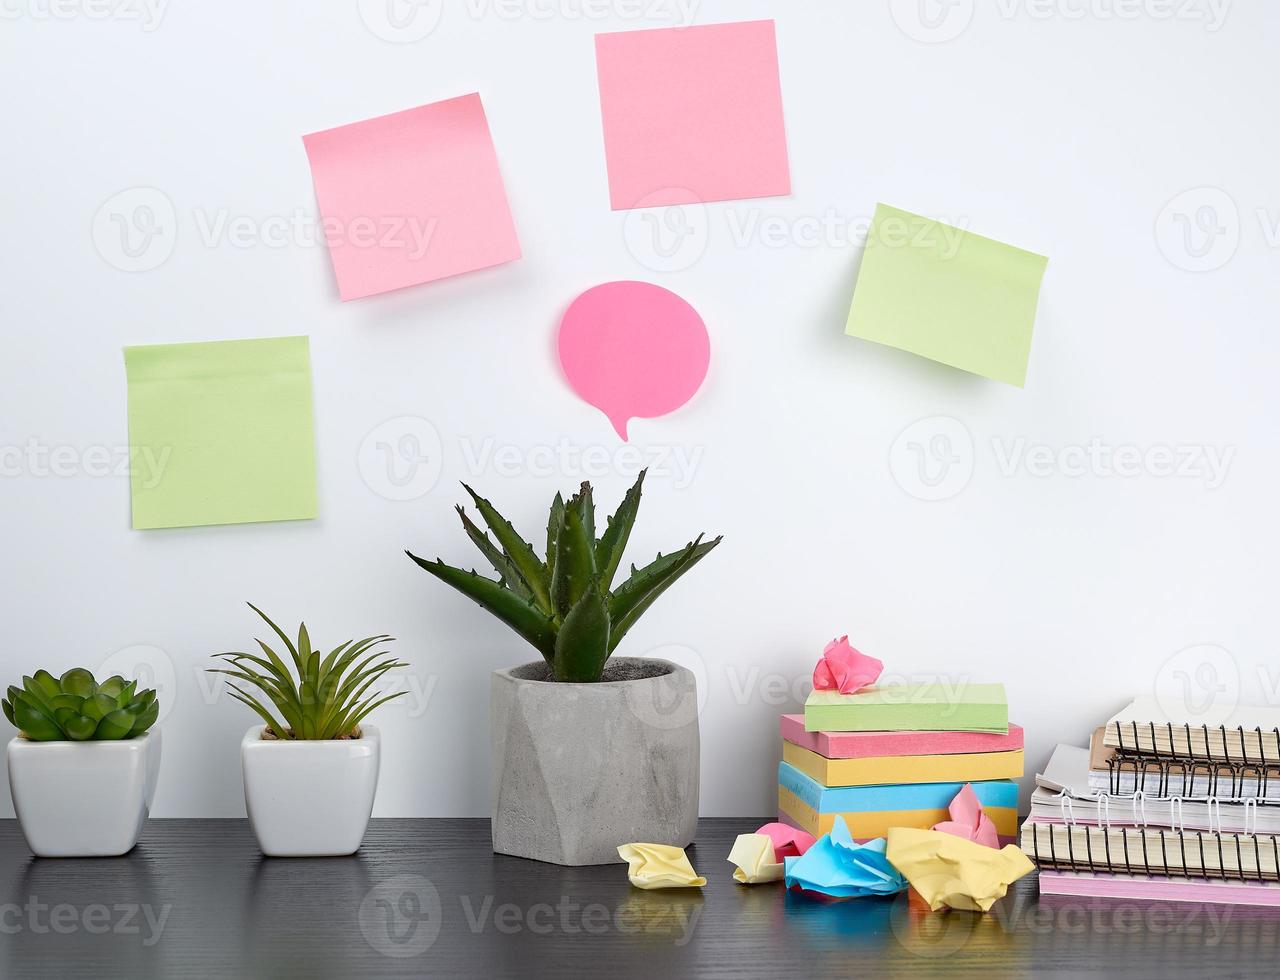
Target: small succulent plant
pixel 75 707
pixel 322 697
pixel 565 605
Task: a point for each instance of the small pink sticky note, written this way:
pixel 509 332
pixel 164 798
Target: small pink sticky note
pixel 844 669
pixel 633 350
pixel 692 114
pixel 968 820
pixel 788 841
pixel 411 197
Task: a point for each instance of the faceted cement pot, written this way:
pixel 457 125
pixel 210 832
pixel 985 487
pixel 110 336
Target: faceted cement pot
pixel 579 769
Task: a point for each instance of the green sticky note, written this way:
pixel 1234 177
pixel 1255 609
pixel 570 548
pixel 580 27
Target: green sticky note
pixel 961 707
pixel 947 294
pixel 221 433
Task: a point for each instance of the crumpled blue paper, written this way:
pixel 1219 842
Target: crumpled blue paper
pixel 838 867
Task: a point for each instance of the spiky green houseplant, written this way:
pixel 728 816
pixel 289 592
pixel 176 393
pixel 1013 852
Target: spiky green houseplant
pixel 321 697
pixel 566 605
pixel 75 707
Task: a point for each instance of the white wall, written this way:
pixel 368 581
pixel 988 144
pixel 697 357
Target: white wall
pixel 1066 135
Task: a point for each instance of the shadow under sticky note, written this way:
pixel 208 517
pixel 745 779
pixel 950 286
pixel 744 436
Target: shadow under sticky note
pixel 411 197
pixel 947 294
pixel 221 432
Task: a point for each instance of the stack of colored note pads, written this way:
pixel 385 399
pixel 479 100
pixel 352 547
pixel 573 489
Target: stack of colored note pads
pixel 896 756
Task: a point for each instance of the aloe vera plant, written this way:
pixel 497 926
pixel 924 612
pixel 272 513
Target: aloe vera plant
pixel 75 707
pixel 565 605
pixel 320 697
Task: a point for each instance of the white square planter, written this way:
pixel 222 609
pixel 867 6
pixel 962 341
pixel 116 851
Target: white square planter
pixel 83 799
pixel 310 799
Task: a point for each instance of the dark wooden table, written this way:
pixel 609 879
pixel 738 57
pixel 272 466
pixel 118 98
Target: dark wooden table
pixel 428 898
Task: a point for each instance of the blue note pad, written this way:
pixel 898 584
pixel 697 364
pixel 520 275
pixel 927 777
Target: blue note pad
pixel 877 799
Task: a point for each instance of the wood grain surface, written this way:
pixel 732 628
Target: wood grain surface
pixel 428 898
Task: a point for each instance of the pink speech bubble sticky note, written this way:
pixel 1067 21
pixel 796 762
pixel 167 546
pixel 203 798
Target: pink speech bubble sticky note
pixel 633 350
pixel 411 197
pixel 692 114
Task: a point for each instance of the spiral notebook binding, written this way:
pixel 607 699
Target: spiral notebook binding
pixel 1196 743
pixel 1247 849
pixel 1167 776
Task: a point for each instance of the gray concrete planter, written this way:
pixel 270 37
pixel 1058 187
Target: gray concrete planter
pixel 580 768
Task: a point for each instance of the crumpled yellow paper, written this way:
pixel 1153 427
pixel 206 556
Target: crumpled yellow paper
pixel 754 856
pixel 659 866
pixel 951 872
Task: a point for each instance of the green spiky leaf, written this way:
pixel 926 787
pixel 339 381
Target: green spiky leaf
pixel 645 585
pixel 575 559
pixel 312 702
pixel 518 550
pixel 577 575
pixel 499 559
pixel 582 645
pixel 520 614
pixel 613 542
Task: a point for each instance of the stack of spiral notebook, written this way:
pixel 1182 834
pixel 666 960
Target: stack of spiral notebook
pixel 1162 808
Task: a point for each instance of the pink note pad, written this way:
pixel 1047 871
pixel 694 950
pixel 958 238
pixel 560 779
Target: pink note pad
pixel 866 745
pixel 1145 888
pixel 692 114
pixel 411 197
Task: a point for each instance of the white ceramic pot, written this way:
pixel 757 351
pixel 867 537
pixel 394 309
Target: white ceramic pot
pixel 83 799
pixel 310 798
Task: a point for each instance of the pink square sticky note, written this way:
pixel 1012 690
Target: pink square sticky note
pixel 411 197
pixel 692 114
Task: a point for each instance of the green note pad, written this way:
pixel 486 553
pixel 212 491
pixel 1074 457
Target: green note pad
pixel 956 707
pixel 947 294
pixel 221 433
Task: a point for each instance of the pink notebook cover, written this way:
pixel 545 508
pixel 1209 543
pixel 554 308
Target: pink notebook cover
pixel 866 745
pixel 1159 889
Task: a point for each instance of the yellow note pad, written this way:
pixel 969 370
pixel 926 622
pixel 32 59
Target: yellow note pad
pixel 890 770
pixel 221 433
pixel 947 294
pixel 865 826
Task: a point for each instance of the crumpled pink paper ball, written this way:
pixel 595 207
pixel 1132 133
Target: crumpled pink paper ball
pixel 844 669
pixel 968 820
pixel 788 841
